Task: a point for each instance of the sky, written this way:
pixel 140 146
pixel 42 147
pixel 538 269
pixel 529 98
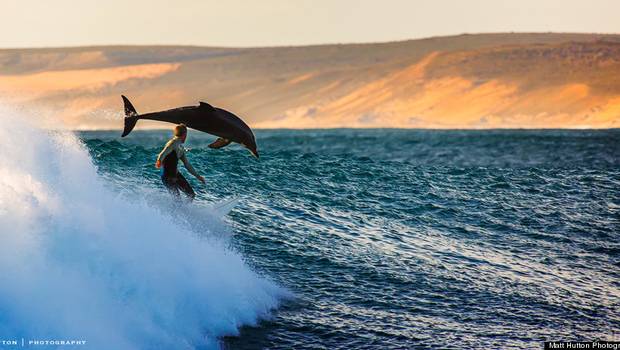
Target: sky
pixel 42 23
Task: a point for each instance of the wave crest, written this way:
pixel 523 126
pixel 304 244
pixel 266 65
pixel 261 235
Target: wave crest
pixel 81 261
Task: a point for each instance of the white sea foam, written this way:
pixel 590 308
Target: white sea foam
pixel 79 261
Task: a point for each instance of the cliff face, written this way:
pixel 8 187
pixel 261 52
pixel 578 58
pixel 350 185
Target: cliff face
pixel 468 81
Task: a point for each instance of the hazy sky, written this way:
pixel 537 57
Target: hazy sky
pixel 28 23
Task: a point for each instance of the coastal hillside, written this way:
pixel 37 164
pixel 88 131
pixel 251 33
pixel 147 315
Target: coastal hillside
pixel 467 81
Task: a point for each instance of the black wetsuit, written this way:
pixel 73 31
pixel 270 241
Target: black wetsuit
pixel 173 179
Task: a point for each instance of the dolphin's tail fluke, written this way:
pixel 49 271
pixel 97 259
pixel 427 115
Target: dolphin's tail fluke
pixel 131 116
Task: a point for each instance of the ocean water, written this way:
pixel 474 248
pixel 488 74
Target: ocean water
pixel 413 239
pixel 341 239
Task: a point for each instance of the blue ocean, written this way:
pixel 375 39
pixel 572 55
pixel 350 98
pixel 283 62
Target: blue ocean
pixel 338 239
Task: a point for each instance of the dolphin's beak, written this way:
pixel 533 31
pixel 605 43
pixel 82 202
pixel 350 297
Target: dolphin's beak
pixel 255 153
pixel 252 150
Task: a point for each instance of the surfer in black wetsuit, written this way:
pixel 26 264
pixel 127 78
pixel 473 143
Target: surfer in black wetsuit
pixel 169 156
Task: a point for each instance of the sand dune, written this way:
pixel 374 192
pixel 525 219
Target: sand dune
pixel 467 81
pixel 45 83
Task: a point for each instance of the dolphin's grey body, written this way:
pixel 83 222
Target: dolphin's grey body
pixel 204 117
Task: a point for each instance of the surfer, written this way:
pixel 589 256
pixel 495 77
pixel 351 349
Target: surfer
pixel 169 158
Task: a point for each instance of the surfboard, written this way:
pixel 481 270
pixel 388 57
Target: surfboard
pixel 223 207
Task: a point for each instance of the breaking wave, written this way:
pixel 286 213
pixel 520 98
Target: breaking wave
pixel 79 260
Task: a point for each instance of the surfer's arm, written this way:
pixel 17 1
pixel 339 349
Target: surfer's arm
pixel 191 169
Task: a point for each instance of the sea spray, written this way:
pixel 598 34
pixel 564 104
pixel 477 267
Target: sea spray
pixel 79 261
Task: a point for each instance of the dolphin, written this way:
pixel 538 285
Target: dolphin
pixel 204 117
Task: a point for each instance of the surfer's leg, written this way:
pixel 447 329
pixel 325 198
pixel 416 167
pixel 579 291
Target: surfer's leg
pixel 171 185
pixel 184 186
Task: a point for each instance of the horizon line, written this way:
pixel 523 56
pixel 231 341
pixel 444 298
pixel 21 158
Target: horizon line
pixel 303 45
pixel 374 128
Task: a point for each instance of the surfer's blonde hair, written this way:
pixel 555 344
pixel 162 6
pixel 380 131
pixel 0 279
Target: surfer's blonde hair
pixel 180 130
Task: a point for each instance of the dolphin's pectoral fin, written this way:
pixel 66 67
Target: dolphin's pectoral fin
pixel 219 143
pixel 207 106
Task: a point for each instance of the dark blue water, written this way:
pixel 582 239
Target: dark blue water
pixel 414 239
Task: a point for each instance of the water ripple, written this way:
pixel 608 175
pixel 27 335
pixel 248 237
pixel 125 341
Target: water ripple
pixel 416 239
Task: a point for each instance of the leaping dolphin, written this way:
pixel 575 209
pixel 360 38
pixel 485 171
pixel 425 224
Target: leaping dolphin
pixel 204 117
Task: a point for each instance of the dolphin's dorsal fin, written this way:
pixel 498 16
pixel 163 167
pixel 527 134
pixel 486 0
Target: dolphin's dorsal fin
pixel 219 143
pixel 206 105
